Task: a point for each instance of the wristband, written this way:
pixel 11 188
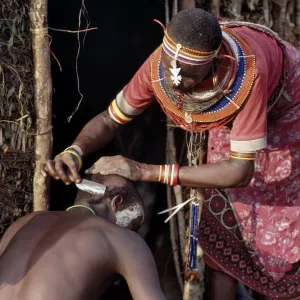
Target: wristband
pixel 168 174
pixel 78 148
pixel 76 155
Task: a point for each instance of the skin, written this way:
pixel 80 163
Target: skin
pixel 221 286
pixel 74 256
pixel 99 131
pixel 191 74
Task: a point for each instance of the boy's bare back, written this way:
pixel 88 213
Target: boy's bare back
pixel 67 255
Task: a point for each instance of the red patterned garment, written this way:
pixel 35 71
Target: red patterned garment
pixel 252 233
pixel 268 210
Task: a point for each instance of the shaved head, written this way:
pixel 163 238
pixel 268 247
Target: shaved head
pixel 130 210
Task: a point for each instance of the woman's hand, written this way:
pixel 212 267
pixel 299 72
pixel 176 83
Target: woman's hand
pixel 64 166
pixel 117 165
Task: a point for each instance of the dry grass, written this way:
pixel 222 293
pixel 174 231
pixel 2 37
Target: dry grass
pixel 16 107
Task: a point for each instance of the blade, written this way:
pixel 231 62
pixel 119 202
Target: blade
pixel 91 187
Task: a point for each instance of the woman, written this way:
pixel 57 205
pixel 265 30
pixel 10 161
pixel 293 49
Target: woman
pixel 241 83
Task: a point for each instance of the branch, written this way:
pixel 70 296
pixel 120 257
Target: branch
pixel 73 31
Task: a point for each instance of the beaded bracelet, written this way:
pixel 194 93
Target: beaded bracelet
pixel 168 174
pixel 243 155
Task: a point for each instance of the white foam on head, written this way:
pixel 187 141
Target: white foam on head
pixel 127 215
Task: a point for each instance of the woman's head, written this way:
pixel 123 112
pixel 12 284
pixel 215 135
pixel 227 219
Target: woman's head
pixel 198 31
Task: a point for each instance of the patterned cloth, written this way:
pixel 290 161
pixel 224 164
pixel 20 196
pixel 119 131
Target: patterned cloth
pixel 268 210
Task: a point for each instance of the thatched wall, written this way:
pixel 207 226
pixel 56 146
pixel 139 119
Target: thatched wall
pixel 283 16
pixel 16 107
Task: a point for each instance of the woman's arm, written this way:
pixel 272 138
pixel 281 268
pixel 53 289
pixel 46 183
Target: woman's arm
pixel 224 174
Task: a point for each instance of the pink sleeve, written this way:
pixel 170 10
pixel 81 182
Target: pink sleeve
pixel 137 95
pixel 249 130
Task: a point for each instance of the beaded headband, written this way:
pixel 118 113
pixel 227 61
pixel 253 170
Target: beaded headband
pixel 187 55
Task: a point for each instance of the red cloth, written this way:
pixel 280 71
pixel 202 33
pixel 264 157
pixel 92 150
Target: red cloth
pixel 251 121
pixel 268 210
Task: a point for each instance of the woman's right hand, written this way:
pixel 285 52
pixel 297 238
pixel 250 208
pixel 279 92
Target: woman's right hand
pixel 64 166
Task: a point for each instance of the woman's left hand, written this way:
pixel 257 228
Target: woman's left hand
pixel 117 165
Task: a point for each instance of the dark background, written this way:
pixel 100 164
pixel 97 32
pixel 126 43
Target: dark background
pixel 125 37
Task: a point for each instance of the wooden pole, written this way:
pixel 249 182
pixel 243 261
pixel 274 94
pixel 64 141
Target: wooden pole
pixel 42 100
pixel 215 7
pixel 184 4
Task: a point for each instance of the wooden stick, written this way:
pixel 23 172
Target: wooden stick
pixel 172 159
pixel 170 151
pixel 167 13
pixel 42 100
pixel 184 4
pixel 215 7
pixel 174 7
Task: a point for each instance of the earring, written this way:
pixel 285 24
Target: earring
pixel 176 78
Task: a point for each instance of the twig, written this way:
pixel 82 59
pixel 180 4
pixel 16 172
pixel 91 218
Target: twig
pixel 59 65
pixel 22 118
pixel 73 31
pixel 27 132
pixel 83 12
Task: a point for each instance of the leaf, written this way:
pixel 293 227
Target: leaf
pixel 10 43
pixel 10 92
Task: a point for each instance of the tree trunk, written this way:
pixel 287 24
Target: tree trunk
pixel 42 100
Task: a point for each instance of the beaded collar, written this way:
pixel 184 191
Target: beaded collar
pixel 216 111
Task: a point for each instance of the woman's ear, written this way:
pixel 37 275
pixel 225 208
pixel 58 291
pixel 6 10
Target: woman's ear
pixel 115 203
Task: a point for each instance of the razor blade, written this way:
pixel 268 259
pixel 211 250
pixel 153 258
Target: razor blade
pixel 91 187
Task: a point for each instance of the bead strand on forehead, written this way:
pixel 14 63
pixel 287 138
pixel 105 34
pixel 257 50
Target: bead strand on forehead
pixel 186 55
